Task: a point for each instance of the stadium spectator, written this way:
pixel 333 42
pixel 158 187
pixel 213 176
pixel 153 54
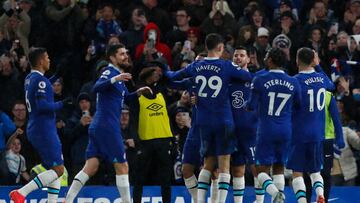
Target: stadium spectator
pixel 152 48
pixel 20 120
pixel 77 133
pixel 134 34
pixel 151 122
pixel 220 20
pixel 179 33
pixel 129 141
pixel 345 169
pixel 16 162
pixel 16 24
pixel 262 44
pixel 107 25
pixel 10 86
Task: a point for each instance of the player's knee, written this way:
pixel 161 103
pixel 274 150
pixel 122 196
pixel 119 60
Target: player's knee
pixel 121 168
pixel 187 173
pixel 238 172
pixel 59 170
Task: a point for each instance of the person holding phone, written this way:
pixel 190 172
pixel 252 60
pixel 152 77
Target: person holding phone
pixel 152 48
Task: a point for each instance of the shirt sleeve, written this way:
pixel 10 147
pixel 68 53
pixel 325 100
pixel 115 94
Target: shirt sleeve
pixel 180 74
pixel 328 82
pixel 297 95
pixel 253 101
pixel 237 73
pixel 42 103
pixel 334 113
pixel 105 81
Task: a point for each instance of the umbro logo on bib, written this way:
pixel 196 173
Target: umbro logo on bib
pixel 154 107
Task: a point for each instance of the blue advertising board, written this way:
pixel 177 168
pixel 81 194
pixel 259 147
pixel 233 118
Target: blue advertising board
pixel 152 194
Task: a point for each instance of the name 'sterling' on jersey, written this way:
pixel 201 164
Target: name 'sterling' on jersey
pixel 208 67
pixel 273 82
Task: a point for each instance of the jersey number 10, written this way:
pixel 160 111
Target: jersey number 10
pixel 320 105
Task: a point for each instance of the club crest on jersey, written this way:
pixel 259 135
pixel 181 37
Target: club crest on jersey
pixel 107 72
pixel 42 85
pixel 252 86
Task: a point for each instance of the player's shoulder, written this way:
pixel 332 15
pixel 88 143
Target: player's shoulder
pixel 262 71
pixel 108 72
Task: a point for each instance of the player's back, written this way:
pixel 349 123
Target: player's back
pixel 309 120
pixel 276 94
pixel 212 78
pixel 41 118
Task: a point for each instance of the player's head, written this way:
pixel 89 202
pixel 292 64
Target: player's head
pixel 117 55
pixel 214 43
pixel 305 57
pixel 241 57
pixel 275 58
pixel 39 59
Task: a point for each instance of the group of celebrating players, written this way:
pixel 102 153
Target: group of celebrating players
pixel 266 119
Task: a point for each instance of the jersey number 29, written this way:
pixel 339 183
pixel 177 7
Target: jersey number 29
pixel 214 83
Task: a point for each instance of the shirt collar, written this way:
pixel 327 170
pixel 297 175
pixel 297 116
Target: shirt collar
pixel 276 71
pixel 36 71
pixel 211 58
pixel 116 68
pixel 307 71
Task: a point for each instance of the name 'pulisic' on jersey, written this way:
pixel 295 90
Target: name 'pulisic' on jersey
pixel 314 80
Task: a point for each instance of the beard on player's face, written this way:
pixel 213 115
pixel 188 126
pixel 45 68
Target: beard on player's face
pixel 126 67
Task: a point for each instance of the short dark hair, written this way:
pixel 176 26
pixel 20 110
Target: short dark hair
pixel 277 56
pixel 111 50
pixel 242 48
pixel 35 54
pixel 305 55
pixel 212 40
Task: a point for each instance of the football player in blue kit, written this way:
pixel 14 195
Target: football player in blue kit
pixel 274 95
pixel 214 118
pixel 41 128
pixel 245 131
pixel 105 140
pixel 306 151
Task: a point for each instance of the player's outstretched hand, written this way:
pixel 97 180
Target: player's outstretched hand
pixel 67 101
pixel 143 90
pixel 123 77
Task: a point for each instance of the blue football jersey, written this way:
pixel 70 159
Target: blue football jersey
pixel 212 77
pixel 39 98
pixel 245 121
pixel 309 120
pixel 273 96
pixel 109 99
